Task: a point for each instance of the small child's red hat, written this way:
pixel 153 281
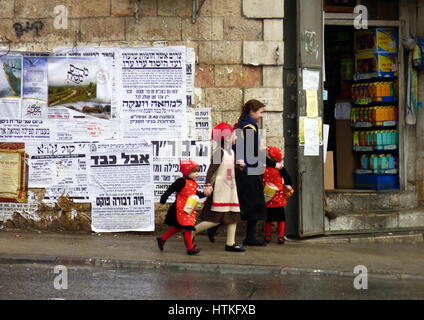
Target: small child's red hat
pixel 275 152
pixel 187 165
pixel 222 130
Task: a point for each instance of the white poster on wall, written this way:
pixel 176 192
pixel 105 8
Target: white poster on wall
pixel 60 168
pixel 13 130
pixel 152 86
pixel 190 75
pixel 121 187
pixel 199 123
pixel 10 86
pixel 166 162
pixel 34 99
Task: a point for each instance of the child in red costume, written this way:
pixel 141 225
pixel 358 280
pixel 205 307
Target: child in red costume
pixel 275 207
pixel 176 217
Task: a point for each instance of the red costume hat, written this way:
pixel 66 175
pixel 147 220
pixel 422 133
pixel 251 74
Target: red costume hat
pixel 275 152
pixel 222 130
pixel 187 165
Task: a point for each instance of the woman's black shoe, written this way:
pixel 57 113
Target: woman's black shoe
pixel 254 243
pixel 235 248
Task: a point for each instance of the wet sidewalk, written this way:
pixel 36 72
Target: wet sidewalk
pixel 136 250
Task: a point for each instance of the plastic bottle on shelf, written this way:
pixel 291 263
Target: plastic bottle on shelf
pixel 379 140
pixel 365 161
pixel 356 138
pixel 361 138
pixel 374 163
pixel 390 161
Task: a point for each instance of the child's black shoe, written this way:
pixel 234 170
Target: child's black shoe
pixel 267 238
pixel 193 251
pixel 161 243
pixel 281 240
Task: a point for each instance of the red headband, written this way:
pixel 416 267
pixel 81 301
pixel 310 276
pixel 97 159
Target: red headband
pixel 187 165
pixel 275 152
pixel 222 130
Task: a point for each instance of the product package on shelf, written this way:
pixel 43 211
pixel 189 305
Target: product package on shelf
pixel 375 65
pixel 370 92
pixel 376 40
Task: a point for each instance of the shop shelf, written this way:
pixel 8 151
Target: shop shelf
pixel 375 148
pixel 367 171
pixel 365 124
pixel 376 181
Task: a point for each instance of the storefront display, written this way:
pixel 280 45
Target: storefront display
pixel 374 116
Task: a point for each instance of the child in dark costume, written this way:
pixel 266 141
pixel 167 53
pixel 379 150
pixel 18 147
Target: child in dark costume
pixel 177 218
pixel 275 207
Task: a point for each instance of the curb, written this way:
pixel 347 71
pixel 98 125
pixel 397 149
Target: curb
pixel 200 267
pixel 407 239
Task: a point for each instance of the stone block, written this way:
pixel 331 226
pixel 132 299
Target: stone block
pixel 225 8
pixel 236 28
pixel 263 52
pixel 231 117
pixel 7 8
pixel 204 76
pixel 205 28
pixel 224 99
pixel 220 52
pixel 46 34
pixel 127 8
pixel 86 9
pixel 237 76
pixel 271 97
pixel 273 30
pixel 273 124
pixel 61 35
pixel 172 8
pixel 272 76
pixel 263 8
pixel 154 28
pixel 411 219
pixel 105 29
pixel 216 118
pixel 32 9
pixel 275 141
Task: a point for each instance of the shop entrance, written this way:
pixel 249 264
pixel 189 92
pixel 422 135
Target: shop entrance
pixel 362 108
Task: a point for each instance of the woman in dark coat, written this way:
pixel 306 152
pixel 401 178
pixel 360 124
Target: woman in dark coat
pixel 251 163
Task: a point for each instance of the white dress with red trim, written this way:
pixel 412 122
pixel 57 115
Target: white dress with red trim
pixel 225 198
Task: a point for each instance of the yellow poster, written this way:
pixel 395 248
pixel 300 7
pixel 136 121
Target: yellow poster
pixel 311 103
pixel 9 173
pixel 13 186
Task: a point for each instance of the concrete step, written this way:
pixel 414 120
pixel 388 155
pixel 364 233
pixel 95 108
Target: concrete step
pixel 376 221
pixel 347 201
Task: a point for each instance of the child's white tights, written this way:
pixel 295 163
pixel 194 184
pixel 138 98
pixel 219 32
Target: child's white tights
pixel 231 230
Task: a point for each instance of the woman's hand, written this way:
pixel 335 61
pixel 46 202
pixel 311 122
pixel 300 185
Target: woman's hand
pixel 278 166
pixel 241 163
pixel 208 191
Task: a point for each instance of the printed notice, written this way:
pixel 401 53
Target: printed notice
pixel 121 187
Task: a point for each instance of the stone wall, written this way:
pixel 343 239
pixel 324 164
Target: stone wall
pixel 238 43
